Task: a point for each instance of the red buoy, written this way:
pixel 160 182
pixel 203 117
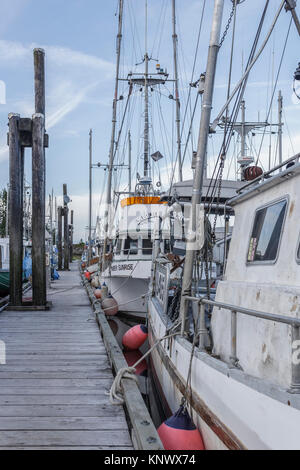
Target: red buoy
pixel 180 433
pixel 98 294
pixel 132 357
pixel 87 275
pixel 135 337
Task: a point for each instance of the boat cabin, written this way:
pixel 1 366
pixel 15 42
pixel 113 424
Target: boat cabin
pixel 262 274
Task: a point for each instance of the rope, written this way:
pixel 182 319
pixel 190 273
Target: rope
pixel 116 391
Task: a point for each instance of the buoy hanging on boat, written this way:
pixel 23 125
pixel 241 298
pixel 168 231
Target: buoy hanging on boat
pixel 135 337
pixel 132 357
pixel 87 275
pixel 98 294
pixel 110 306
pixel 252 172
pixel 180 433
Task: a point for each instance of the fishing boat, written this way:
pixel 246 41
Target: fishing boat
pixel 127 252
pixel 232 359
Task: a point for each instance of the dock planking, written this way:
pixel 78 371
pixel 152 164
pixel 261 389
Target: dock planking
pixel 54 386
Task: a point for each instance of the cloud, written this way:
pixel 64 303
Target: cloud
pixel 12 52
pixel 72 103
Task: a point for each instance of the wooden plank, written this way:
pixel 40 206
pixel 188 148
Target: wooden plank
pixel 86 382
pixel 84 410
pixel 63 424
pixel 29 390
pixel 64 438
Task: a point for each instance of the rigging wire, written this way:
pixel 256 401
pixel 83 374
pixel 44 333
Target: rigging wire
pixel 275 87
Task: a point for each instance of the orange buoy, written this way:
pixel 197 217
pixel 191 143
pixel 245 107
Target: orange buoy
pixel 110 306
pixel 132 357
pixel 83 265
pixel 180 433
pixel 97 294
pixel 87 275
pixel 135 337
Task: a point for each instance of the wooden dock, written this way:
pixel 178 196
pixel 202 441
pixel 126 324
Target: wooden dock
pixel 53 388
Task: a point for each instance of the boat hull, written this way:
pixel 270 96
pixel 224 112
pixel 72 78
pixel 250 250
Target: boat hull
pixel 232 410
pixel 128 283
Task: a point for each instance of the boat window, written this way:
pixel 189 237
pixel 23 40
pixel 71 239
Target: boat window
pixel 131 247
pixel 266 234
pixel 298 253
pixel 0 257
pixel 119 246
pixel 147 246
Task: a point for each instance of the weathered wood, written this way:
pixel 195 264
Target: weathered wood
pixel 54 386
pixel 39 81
pixel 59 238
pixel 15 204
pixel 66 230
pixel 39 286
pixel 145 433
pixel 66 438
pixel 46 411
pixel 62 424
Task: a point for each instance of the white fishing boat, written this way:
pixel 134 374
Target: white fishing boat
pixel 233 360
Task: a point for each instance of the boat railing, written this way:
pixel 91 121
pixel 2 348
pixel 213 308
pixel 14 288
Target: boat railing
pixel 294 323
pixel 268 174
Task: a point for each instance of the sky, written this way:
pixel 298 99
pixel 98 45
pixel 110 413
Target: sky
pixel 79 37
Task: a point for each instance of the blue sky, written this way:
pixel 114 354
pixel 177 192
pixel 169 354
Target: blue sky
pixel 79 39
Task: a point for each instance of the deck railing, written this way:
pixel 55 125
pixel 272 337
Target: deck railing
pixel 294 323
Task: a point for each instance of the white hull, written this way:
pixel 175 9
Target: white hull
pixel 129 287
pixel 231 409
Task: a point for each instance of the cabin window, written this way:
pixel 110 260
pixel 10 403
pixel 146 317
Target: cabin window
pixel 119 246
pixel 298 253
pixel 130 247
pixel 147 246
pixel 266 234
pixel 0 257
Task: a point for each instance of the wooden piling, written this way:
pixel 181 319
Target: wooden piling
pixel 71 236
pixel 16 171
pixel 39 287
pixel 59 237
pixel 66 230
pixel 39 80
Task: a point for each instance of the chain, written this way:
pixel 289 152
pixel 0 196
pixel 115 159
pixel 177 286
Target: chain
pixel 229 23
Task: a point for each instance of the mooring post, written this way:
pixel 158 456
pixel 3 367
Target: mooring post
pixel 71 236
pixel 66 230
pixel 59 237
pixel 39 286
pixel 16 171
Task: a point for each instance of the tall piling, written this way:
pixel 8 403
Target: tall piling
pixel 39 286
pixel 59 237
pixel 66 230
pixel 16 171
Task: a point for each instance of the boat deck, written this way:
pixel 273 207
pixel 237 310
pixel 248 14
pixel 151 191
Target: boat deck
pixel 53 388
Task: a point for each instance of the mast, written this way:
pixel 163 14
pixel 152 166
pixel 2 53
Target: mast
pixel 280 102
pixel 90 195
pixel 177 99
pixel 202 148
pixel 129 161
pixel 113 134
pixel 146 128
